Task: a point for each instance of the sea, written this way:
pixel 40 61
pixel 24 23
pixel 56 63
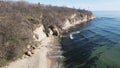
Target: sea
pixel 94 45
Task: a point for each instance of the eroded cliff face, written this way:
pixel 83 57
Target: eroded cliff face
pixel 52 30
pixel 74 19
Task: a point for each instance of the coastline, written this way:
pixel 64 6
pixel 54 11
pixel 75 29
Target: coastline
pixel 47 55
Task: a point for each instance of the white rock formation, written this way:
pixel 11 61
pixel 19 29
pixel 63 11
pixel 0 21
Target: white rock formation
pixel 39 32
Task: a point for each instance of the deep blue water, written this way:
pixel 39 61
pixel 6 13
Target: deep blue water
pixel 97 45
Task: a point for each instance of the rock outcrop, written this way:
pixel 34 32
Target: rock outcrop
pixel 75 19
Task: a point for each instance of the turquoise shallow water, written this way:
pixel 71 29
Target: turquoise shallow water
pixel 97 45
